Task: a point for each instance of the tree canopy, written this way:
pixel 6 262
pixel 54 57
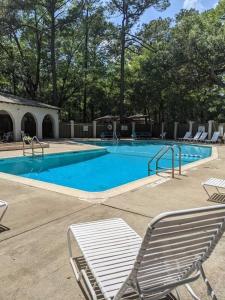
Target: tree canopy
pixel 70 54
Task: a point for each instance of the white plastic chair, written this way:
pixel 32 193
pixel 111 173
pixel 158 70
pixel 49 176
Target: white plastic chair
pixel 172 252
pixel 3 208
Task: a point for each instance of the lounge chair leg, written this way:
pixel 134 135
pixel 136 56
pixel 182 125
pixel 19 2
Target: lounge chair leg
pixel 218 191
pixel 191 292
pixel 211 292
pixel 206 191
pixel 4 211
pixel 76 271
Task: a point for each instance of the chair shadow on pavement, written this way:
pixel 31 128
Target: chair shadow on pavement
pixel 3 228
pixel 81 263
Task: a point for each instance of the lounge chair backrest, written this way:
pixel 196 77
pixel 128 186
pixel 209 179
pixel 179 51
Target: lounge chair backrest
pixel 175 246
pixel 187 135
pixel 197 135
pixel 203 136
pixel 215 136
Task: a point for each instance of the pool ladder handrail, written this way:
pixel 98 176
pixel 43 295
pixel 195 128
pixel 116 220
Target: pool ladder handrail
pixel 35 138
pixel 161 153
pixel 154 157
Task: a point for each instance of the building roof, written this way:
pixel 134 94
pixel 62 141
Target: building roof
pixel 11 99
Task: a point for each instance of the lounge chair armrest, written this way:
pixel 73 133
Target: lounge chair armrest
pixel 172 285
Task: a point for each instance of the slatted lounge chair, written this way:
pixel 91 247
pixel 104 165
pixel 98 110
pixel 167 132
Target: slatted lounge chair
pixel 203 137
pixel 163 135
pixel 172 252
pixel 217 183
pixel 214 138
pixel 195 138
pixel 186 136
pixel 3 208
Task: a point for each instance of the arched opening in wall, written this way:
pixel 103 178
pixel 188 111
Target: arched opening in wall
pixel 6 127
pixel 28 125
pixel 47 127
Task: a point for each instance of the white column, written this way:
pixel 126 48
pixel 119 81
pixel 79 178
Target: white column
pixel 56 129
pixel 191 126
pixel 114 129
pixel 72 128
pixel 94 129
pixel 17 129
pixel 210 128
pixel 39 129
pixel 133 128
pixel 175 130
pixel 162 129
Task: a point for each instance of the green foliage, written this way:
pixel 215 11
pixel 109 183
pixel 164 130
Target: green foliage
pixel 68 53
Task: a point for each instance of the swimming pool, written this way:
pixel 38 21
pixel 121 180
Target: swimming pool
pixel 99 170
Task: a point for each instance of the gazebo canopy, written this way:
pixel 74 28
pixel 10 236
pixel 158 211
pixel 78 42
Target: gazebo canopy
pixel 109 118
pixel 138 117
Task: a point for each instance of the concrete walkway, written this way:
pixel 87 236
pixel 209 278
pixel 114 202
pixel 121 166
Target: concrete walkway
pixel 33 253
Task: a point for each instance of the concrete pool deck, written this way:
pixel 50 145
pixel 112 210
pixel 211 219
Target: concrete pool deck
pixel 34 261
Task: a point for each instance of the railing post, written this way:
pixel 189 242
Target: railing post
pixel 71 128
pixel 133 128
pixel 191 126
pixel 173 153
pixel 114 129
pixel 32 146
pixel 94 129
pixel 175 130
pixel 210 122
pixel 162 129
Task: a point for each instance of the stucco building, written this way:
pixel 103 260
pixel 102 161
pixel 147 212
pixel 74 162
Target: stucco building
pixel 31 117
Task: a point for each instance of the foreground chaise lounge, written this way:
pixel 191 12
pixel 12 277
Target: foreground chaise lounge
pixel 171 254
pixel 3 208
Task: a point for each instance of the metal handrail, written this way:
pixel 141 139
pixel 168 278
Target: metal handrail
pixel 180 157
pixel 31 142
pixel 161 153
pixel 38 142
pixel 154 157
pixel 157 161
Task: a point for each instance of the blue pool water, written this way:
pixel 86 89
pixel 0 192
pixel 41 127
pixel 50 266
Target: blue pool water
pixel 99 170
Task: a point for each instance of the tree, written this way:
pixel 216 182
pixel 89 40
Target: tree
pixel 130 13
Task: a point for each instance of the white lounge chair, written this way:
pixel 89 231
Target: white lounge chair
pixel 203 137
pixel 172 252
pixel 186 136
pixel 163 135
pixel 214 138
pixel 3 208
pixel 195 138
pixel 217 183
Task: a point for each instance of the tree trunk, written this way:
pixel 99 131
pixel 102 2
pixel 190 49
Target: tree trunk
pixel 38 51
pixel 85 64
pixel 53 55
pixel 122 68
